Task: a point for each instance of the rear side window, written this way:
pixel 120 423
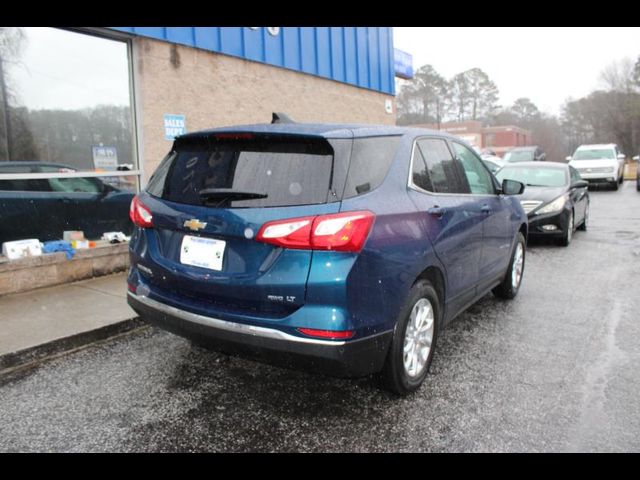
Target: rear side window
pixel 370 162
pixel 286 171
pixel 434 169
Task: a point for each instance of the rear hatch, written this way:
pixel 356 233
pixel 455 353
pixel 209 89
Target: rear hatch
pixel 210 197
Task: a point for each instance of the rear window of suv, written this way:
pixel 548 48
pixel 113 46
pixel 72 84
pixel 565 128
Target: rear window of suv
pixel 289 171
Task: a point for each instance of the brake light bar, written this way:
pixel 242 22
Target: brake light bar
pixel 140 214
pixel 344 232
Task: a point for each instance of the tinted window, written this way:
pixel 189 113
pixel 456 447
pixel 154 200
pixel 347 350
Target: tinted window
pixel 81 185
pixel 370 162
pixel 156 183
pixel 433 167
pixel 289 172
pixel 16 169
pixel 476 174
pixel 27 185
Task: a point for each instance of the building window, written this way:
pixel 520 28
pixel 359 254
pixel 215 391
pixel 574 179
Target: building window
pixel 67 138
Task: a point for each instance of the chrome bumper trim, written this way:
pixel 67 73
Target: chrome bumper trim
pixel 229 326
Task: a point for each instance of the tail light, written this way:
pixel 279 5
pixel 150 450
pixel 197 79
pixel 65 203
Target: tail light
pixel 344 232
pixel 139 214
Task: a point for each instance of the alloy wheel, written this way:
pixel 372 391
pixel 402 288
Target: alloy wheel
pixel 418 337
pixel 518 266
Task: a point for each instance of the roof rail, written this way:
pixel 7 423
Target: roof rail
pixel 278 117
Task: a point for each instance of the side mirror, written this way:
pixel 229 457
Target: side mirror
pixel 580 184
pixel 621 156
pixel 512 187
pixel 637 158
pixel 568 159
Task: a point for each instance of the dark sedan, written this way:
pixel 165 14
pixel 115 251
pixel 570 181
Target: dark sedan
pixel 556 199
pixel 44 208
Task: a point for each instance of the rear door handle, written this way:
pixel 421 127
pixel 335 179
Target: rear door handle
pixel 486 209
pixel 436 211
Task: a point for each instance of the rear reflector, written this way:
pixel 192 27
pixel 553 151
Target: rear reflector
pixel 139 214
pixel 328 334
pixel 345 232
pixel 131 287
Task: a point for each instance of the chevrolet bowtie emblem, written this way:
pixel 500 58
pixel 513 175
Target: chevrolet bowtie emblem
pixel 195 224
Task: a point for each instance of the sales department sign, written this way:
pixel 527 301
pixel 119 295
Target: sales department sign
pixel 174 125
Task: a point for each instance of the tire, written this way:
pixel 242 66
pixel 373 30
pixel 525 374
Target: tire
pixel 615 185
pixel 510 286
pixel 584 225
pixel 423 310
pixel 568 234
pixel 638 186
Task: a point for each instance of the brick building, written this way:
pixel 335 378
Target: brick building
pixel 500 139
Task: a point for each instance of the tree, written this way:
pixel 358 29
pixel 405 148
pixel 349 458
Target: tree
pixel 619 76
pixel 604 117
pixel 423 99
pixel 636 73
pixel 473 95
pixel 11 44
pixel 459 99
pixel 483 92
pixel 525 111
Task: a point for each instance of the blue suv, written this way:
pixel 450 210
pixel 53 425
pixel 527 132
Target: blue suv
pixel 341 249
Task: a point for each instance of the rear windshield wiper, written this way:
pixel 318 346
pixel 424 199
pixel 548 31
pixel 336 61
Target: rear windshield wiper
pixel 534 185
pixel 227 194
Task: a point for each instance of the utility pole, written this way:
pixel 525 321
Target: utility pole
pixel 5 111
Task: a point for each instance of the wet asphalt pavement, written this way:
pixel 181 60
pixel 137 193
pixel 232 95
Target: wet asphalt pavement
pixel 557 369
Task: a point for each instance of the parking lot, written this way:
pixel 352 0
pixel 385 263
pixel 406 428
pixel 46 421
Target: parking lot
pixel 554 370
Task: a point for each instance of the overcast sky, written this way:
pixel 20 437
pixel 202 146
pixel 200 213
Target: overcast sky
pixel 61 69
pixel 545 64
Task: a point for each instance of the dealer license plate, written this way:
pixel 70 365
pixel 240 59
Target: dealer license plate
pixel 202 252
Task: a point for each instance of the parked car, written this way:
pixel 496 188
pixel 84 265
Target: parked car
pixel 556 199
pixel 601 163
pixel 637 159
pixel 525 154
pixel 44 208
pixel 341 249
pixel 493 162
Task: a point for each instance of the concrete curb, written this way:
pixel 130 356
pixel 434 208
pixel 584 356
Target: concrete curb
pixel 33 355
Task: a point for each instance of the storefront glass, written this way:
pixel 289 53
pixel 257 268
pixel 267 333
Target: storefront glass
pixel 67 144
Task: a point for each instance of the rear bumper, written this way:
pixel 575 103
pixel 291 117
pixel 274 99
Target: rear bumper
pixel 354 358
